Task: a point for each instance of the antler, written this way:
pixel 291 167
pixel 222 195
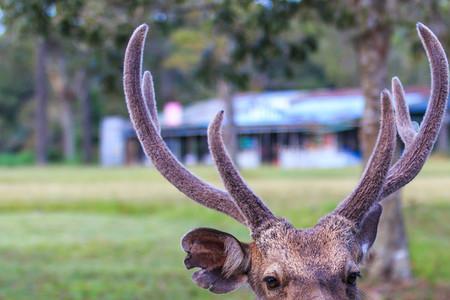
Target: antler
pixel 370 186
pixel 251 205
pixel 418 145
pixel 149 96
pixel 142 109
pixel 405 128
pixel 376 183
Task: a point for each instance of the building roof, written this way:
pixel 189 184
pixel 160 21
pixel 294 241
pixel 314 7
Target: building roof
pixel 330 110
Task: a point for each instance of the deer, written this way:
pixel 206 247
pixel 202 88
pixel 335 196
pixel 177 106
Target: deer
pixel 281 261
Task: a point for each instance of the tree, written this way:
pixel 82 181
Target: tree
pixel 59 78
pixel 16 61
pixel 62 31
pixel 82 89
pixel 41 95
pixel 47 22
pixel 37 14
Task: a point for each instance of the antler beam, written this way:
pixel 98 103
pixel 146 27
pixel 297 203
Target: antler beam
pixel 379 182
pixel 251 205
pixel 149 96
pixel 369 188
pixel 144 118
pixel 419 146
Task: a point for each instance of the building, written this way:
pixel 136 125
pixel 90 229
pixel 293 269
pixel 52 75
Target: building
pixel 285 128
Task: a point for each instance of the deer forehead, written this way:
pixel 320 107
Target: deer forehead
pixel 286 249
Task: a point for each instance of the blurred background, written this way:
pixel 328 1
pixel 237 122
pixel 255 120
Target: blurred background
pixel 83 214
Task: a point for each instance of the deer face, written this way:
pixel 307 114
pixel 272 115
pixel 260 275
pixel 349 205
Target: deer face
pixel 283 262
pixel 305 264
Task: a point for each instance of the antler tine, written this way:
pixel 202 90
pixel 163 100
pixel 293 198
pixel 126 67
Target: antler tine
pixel 149 96
pixel 355 206
pixel 419 148
pixel 405 127
pixel 152 143
pixel 251 205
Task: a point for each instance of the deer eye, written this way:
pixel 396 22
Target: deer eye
pixel 352 277
pixel 271 282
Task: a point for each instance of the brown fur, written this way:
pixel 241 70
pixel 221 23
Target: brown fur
pixel 283 262
pixel 307 262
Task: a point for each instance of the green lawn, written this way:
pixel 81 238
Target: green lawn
pixel 92 233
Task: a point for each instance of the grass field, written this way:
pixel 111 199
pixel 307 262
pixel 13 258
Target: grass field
pixel 92 233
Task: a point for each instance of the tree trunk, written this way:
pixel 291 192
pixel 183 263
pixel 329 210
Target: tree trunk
pixel 372 51
pixel 66 119
pixel 82 89
pixel 41 96
pixel 230 130
pixel 60 83
pixel 390 259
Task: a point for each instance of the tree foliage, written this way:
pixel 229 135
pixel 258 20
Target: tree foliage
pixel 272 44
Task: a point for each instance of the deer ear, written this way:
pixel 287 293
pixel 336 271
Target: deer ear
pixel 222 259
pixel 368 228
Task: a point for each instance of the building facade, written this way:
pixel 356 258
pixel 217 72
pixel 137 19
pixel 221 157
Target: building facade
pixel 291 129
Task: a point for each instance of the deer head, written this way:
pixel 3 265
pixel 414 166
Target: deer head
pixel 283 262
